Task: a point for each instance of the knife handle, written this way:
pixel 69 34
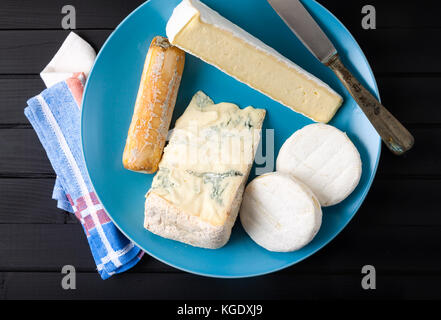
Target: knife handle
pixel 396 137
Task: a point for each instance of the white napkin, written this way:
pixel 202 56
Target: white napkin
pixel 75 55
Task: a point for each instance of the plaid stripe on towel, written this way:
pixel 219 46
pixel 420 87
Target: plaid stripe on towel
pixel 56 117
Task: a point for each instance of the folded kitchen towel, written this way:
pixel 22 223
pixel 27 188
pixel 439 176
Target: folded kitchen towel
pixel 75 55
pixel 55 115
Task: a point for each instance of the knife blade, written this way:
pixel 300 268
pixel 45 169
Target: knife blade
pixel 298 19
pixel 395 136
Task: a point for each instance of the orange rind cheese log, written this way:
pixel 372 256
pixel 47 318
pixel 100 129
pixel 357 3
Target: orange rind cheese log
pixel 154 106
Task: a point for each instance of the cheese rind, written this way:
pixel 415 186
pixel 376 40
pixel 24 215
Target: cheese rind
pixel 201 31
pixel 155 102
pixel 325 159
pixel 169 221
pixel 280 213
pixel 196 194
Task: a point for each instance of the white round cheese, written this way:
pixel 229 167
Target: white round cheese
pixel 324 159
pixel 280 213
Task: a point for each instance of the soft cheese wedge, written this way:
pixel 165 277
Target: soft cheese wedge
pixel 201 31
pixel 196 194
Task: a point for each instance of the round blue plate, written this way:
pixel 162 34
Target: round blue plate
pixel 108 106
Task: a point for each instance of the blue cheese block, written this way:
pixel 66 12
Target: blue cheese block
pixel 196 194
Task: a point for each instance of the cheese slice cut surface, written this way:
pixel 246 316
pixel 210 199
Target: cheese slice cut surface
pixel 201 31
pixel 196 194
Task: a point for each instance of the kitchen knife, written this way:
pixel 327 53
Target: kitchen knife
pixel 396 137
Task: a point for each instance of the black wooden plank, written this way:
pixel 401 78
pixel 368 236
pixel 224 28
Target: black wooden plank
pixel 19 285
pixel 379 226
pixel 379 208
pixel 421 160
pixel 23 154
pixel 47 14
pixel 401 201
pixel 28 52
pixel 388 50
pixel 389 13
pixel 410 99
pixel 47 247
pixel 14 92
pixel 29 201
pixel 99 14
pixel 401 50
pixel 39 247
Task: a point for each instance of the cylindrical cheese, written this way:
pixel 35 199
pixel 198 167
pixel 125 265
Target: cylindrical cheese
pixel 154 106
pixel 325 159
pixel 280 213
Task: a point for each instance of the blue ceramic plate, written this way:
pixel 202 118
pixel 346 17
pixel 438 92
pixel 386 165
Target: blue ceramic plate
pixel 108 106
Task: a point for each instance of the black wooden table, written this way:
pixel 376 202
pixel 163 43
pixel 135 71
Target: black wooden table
pixel 397 230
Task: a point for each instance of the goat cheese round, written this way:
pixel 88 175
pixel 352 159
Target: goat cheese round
pixel 280 213
pixel 323 158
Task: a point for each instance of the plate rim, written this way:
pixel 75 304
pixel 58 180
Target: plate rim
pixel 255 274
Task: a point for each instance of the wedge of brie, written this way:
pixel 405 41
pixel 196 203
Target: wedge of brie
pixel 201 31
pixel 196 194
